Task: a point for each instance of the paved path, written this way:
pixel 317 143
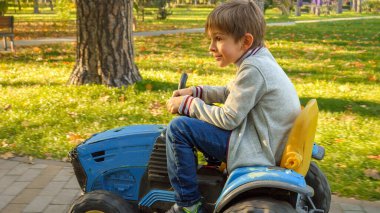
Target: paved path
pixel 166 32
pixel 51 186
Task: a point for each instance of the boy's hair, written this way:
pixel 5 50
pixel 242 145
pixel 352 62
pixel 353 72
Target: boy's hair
pixel 237 17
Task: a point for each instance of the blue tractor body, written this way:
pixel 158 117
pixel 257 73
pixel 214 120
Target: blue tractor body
pixel 131 162
pixel 115 160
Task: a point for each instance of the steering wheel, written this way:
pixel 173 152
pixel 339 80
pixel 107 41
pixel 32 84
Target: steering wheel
pixel 182 81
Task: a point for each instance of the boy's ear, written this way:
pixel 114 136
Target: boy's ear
pixel 248 41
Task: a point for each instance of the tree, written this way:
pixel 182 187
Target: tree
pixel 339 8
pixel 298 8
pixel 35 7
pixel 105 53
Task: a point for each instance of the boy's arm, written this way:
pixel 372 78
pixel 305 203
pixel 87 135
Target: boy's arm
pixel 245 92
pixel 211 94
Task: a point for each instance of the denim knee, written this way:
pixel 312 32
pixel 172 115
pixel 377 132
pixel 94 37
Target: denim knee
pixel 176 125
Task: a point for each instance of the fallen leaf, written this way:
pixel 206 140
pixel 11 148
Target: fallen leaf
pixel 8 107
pixel 4 144
pixel 372 173
pixel 73 114
pixel 149 87
pixel 155 108
pixel 104 98
pixel 30 160
pixel 65 159
pixel 7 155
pixel 122 98
pixel 36 49
pixel 340 165
pixel 372 78
pixel 25 124
pixel 375 157
pixel 74 138
pixel 48 156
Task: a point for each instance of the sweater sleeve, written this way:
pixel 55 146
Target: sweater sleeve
pixel 245 92
pixel 211 94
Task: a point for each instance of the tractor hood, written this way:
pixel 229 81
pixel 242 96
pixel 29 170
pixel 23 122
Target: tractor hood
pixel 124 132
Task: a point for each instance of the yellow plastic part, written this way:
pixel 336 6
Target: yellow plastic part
pixel 298 149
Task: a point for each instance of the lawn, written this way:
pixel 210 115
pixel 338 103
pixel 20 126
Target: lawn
pixel 338 63
pixel 51 24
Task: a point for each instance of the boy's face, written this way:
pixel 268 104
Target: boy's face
pixel 224 48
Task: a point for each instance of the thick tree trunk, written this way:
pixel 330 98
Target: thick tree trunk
pixel 339 7
pixel 105 53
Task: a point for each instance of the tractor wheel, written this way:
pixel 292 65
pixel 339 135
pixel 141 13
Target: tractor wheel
pixel 100 201
pixel 261 205
pixel 318 181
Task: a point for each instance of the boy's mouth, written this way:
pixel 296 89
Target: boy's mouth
pixel 218 57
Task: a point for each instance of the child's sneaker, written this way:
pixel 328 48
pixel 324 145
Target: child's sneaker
pixel 196 208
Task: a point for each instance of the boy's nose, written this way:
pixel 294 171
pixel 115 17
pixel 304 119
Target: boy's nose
pixel 212 48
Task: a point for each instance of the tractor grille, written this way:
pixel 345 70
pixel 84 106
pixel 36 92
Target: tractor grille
pixel 157 170
pixel 78 169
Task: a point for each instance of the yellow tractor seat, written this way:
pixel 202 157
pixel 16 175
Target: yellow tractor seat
pixel 298 149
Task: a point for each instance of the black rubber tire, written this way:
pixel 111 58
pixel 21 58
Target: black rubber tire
pixel 102 201
pixel 260 205
pixel 322 192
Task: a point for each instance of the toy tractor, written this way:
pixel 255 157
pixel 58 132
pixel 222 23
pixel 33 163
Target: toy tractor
pixel 124 170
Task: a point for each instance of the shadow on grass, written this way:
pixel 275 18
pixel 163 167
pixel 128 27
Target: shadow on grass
pixel 152 85
pixel 363 108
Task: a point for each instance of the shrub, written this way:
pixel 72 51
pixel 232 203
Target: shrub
pixel 371 6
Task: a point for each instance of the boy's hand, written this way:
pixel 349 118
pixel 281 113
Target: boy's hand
pixel 183 92
pixel 173 104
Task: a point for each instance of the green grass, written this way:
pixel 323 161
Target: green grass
pixel 50 24
pixel 336 62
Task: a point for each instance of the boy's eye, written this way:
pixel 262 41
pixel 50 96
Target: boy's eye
pixel 218 38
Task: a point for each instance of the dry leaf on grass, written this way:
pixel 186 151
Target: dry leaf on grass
pixel 372 173
pixel 375 157
pixel 105 98
pixel 74 138
pixel 155 108
pixel 8 107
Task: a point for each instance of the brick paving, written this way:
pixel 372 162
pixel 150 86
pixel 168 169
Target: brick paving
pixel 51 186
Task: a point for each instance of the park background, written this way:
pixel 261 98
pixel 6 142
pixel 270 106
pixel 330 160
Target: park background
pixel 336 62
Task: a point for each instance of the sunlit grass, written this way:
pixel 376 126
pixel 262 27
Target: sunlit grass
pixel 50 24
pixel 336 63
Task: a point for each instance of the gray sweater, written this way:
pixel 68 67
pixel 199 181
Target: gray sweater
pixel 259 106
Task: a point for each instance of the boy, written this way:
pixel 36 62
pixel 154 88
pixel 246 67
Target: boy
pixel 259 105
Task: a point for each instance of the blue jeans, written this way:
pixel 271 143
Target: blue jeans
pixel 182 135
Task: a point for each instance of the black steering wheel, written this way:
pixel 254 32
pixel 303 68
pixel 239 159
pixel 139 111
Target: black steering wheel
pixel 182 81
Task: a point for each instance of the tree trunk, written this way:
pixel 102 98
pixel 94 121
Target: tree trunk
pixel 35 7
pixel 358 6
pixel 354 5
pixel 105 53
pixel 298 7
pixel 339 8
pixel 51 5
